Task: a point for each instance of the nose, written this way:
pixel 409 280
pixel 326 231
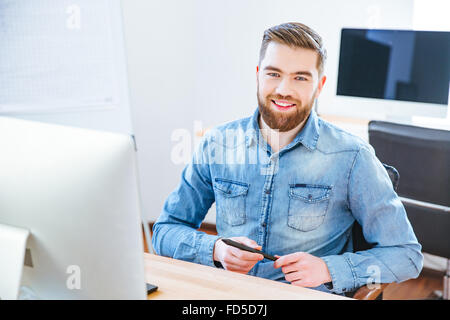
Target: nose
pixel 284 88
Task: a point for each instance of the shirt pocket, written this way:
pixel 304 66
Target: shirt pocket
pixel 308 206
pixel 230 201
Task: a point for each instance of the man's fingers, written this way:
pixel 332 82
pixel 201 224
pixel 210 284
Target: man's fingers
pixel 288 259
pixel 238 269
pixel 232 263
pixel 231 259
pixel 245 255
pixel 237 260
pixel 303 283
pixel 289 268
pixel 298 283
pixel 293 276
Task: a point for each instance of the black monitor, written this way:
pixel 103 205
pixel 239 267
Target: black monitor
pixel 400 65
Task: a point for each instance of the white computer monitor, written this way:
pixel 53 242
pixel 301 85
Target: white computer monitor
pixel 76 192
pixel 387 74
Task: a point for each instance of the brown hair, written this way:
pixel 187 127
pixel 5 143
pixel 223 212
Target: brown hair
pixel 297 35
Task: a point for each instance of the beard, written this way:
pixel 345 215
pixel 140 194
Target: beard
pixel 283 120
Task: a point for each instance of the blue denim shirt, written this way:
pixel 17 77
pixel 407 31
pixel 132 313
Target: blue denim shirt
pixel 306 197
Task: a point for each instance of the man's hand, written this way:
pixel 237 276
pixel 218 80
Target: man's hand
pixel 303 270
pixel 234 259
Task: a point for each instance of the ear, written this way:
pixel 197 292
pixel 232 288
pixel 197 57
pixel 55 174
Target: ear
pixel 320 85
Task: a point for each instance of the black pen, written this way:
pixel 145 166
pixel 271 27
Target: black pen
pixel 246 248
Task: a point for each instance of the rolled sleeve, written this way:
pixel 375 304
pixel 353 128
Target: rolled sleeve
pixel 206 249
pixel 342 274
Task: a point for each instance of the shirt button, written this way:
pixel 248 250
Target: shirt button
pixel 267 191
pixel 263 224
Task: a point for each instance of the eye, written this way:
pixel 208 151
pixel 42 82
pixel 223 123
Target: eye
pixel 273 74
pixel 301 78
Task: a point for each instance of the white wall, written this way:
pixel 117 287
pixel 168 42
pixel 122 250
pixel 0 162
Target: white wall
pixel 196 61
pixel 431 15
pixel 64 62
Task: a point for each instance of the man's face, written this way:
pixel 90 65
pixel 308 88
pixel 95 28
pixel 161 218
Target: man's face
pixel 288 83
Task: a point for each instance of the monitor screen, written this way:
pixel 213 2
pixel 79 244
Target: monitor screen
pixel 395 64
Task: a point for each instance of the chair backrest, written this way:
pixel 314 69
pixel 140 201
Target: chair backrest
pixel 422 155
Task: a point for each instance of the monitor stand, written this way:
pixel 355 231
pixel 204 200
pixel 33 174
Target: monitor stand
pixel 13 243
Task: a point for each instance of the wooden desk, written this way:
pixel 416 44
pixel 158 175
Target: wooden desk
pixel 180 280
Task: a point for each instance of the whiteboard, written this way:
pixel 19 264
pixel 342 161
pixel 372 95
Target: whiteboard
pixel 64 62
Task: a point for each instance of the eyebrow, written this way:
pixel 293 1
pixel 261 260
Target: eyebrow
pixel 307 73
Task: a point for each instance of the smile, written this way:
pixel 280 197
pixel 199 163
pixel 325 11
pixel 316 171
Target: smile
pixel 283 105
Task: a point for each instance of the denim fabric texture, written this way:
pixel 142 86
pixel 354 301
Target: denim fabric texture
pixel 306 197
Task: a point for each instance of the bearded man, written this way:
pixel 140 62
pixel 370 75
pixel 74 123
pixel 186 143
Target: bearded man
pixel 299 200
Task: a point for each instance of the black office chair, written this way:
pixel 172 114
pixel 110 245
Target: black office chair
pixel 422 155
pixel 360 244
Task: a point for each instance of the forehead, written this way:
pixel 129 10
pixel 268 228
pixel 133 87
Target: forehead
pixel 290 59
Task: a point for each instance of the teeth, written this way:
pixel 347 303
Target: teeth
pixel 283 104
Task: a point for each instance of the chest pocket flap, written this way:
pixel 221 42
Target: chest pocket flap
pixel 231 188
pixel 310 193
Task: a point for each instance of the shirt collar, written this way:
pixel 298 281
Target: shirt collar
pixel 308 136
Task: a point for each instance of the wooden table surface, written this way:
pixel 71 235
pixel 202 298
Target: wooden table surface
pixel 181 280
